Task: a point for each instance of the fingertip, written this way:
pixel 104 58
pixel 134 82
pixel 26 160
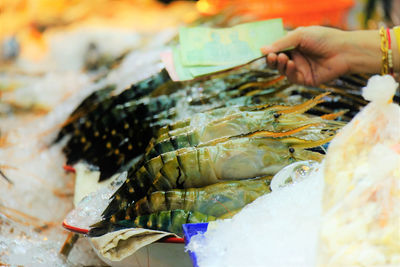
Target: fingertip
pixel 271 60
pixel 282 61
pixel 291 39
pixel 267 49
pixel 290 67
pixel 283 57
pixel 272 56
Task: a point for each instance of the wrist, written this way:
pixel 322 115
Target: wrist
pixel 362 51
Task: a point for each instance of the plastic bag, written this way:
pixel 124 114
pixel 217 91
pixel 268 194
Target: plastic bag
pixel 361 205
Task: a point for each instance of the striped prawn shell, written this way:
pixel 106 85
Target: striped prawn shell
pixel 169 221
pixel 216 199
pixel 233 121
pixel 232 158
pixel 118 128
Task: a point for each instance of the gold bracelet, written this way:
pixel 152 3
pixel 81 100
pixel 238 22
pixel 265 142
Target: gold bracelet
pixel 390 53
pixel 384 49
pixel 396 31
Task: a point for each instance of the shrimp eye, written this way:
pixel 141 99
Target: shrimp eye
pixel 291 149
pixel 277 115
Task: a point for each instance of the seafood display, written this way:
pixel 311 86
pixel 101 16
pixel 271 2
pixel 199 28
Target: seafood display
pixel 187 145
pixel 103 153
pixel 110 133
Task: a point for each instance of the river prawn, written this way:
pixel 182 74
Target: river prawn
pixel 224 114
pixel 231 158
pixel 214 99
pixel 231 100
pixel 233 121
pixel 219 101
pixel 213 200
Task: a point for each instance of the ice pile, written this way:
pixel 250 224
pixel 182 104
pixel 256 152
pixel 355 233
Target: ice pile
pixel 33 208
pixel 278 229
pixel 24 246
pixel 89 209
pixel 43 92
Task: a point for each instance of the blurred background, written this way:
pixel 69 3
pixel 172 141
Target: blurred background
pixel 24 22
pixel 55 53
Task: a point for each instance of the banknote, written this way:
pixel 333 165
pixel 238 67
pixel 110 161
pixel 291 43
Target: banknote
pixel 227 46
pixel 182 71
pixel 203 51
pixel 203 70
pixel 168 60
pixel 188 73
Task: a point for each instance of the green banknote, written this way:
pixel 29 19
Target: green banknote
pixel 202 46
pixel 188 73
pixel 182 71
pixel 206 50
pixel 203 70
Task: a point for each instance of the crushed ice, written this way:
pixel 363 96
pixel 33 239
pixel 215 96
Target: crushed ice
pixel 89 209
pixel 282 223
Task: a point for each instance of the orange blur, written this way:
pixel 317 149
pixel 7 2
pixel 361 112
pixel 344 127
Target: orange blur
pixel 293 12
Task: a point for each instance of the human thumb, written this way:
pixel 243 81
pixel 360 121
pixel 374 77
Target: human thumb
pixel 290 40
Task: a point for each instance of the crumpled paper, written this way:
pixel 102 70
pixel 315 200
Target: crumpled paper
pixel 117 245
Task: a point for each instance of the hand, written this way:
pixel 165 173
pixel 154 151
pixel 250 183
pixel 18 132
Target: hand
pixel 319 55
